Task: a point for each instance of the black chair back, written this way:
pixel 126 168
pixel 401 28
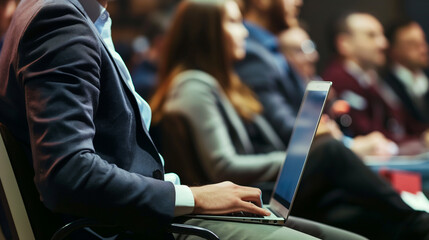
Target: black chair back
pixel 43 222
pixel 178 149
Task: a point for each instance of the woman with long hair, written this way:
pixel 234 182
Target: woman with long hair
pixel 198 81
pixel 232 140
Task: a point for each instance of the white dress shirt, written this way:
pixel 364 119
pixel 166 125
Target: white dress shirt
pixel 416 84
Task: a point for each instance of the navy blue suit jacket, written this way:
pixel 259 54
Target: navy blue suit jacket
pixel 62 94
pixel 280 93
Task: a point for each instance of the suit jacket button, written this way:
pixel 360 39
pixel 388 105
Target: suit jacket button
pixel 157 174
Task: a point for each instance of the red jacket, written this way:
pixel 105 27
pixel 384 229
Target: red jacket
pixel 368 110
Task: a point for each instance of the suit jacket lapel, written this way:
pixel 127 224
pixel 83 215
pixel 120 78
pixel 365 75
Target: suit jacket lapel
pixel 130 93
pixel 91 24
pixel 131 97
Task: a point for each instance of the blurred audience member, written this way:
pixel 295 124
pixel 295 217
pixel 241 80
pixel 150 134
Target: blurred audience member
pixel 265 70
pixel 300 51
pixel 7 8
pixel 361 46
pixel 408 53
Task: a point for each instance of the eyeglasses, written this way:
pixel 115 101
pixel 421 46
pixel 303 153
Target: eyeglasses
pixel 307 47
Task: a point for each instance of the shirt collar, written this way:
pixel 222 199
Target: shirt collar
pixel 93 8
pixel 104 24
pixel 405 75
pixel 264 37
pixel 364 78
pixel 417 83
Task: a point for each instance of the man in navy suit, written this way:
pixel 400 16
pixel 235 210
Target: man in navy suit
pixel 66 94
pixel 264 68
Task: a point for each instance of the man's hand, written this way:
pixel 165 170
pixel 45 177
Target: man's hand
pixel 227 197
pixel 329 126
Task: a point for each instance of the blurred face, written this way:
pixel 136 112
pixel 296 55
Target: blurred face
pixel 365 43
pixel 103 2
pixel 410 48
pixel 292 9
pixel 300 51
pixel 6 13
pixel 235 30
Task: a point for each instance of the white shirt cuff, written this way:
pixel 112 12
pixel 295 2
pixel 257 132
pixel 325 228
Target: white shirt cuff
pixel 184 200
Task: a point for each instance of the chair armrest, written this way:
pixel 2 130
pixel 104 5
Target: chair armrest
pixel 67 229
pixel 193 230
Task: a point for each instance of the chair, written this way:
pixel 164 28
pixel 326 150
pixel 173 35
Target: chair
pixel 174 135
pixel 27 218
pixel 178 148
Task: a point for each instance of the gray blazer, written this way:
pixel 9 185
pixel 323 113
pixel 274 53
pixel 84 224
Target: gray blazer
pixel 222 142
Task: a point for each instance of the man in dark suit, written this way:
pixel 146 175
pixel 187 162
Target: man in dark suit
pixel 66 94
pixel 408 53
pixel 361 46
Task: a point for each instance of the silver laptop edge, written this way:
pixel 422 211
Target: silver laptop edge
pixel 274 205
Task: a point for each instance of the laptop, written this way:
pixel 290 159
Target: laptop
pixel 291 171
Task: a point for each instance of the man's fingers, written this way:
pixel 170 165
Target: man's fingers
pixel 250 191
pixel 227 197
pixel 256 200
pixel 250 207
pixel 252 195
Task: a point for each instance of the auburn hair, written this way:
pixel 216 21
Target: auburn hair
pixel 197 40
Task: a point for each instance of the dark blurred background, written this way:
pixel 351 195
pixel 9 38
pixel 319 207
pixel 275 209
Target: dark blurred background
pixel 134 18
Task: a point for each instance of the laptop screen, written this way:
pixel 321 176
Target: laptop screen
pixel 299 145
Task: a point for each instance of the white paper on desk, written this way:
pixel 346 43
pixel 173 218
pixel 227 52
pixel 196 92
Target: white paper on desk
pixel 416 201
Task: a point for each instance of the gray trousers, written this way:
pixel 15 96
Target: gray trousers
pixel 295 229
